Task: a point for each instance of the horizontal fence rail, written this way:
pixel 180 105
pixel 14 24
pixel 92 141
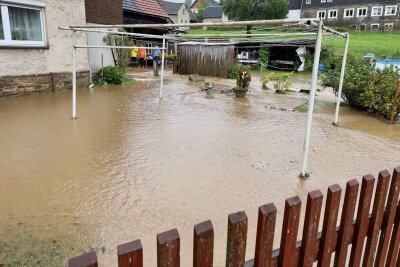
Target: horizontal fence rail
pixel 374 238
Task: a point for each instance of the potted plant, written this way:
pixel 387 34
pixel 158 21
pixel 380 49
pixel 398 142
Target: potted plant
pixel 243 80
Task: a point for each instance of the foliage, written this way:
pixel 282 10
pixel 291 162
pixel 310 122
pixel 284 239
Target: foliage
pixel 263 56
pixel 234 71
pixel 243 78
pixel 200 11
pixel 255 9
pixel 121 56
pixel 170 56
pixel 365 86
pixel 327 52
pixel 280 81
pixel 110 75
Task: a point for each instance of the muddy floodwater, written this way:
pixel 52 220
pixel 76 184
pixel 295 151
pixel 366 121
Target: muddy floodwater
pixel 133 166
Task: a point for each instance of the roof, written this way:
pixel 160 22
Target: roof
pixel 171 8
pixel 344 3
pixel 192 15
pixel 213 12
pixel 149 7
pixel 197 3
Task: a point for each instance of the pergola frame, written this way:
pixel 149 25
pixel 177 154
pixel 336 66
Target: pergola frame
pixel 317 23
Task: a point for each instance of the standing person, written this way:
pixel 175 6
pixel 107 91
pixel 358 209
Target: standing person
pixel 142 57
pixel 134 54
pixel 156 60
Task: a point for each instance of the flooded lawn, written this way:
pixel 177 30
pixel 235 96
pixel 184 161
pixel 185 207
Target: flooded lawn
pixel 132 166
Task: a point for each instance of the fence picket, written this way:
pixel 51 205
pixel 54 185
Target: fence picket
pixel 377 218
pixel 236 240
pixel 130 254
pixel 265 235
pixel 85 260
pixel 203 244
pixel 168 249
pixel 346 229
pixel 362 223
pixel 290 227
pixel 310 229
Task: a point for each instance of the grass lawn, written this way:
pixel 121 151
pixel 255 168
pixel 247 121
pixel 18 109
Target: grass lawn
pixel 382 44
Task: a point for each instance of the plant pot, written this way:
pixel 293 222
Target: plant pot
pixel 240 92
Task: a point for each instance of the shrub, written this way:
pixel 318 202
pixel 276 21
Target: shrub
pixel 110 75
pixel 243 78
pixel 365 87
pixel 281 83
pixel 234 71
pixel 121 56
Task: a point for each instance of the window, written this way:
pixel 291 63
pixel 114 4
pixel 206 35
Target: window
pixel 332 14
pixel 321 14
pixel 377 11
pixel 323 1
pixel 362 12
pixel 308 2
pixel 329 0
pixel 388 26
pixel 391 10
pixel 374 27
pixel 349 13
pixel 22 25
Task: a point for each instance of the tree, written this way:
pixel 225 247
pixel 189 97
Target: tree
pixel 255 9
pixel 200 11
pixel 121 56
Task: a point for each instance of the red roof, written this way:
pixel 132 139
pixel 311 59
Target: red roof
pixel 150 7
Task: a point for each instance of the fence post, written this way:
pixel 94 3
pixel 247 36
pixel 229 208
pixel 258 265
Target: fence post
pixel 362 222
pixel 346 223
pixel 203 247
pixel 328 238
pixel 236 240
pixel 168 249
pixel 130 254
pixel 265 235
pixel 377 218
pixel 310 228
pixel 85 260
pixel 289 232
pixel 395 102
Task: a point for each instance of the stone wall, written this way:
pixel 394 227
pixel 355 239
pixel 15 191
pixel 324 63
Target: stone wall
pixel 39 83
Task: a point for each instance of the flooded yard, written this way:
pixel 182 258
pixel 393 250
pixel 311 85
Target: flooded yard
pixel 132 166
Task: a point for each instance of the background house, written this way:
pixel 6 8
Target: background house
pixel 214 14
pixel 198 3
pixel 45 62
pixel 178 12
pixel 359 14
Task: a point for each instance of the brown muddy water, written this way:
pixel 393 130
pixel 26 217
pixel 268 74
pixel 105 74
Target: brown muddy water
pixel 132 166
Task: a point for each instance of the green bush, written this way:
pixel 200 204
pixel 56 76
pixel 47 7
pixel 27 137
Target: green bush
pixel 281 81
pixel 365 87
pixel 243 78
pixel 110 75
pixel 234 71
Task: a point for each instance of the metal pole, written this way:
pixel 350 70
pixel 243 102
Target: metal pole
pixel 312 99
pixel 74 76
pixel 162 67
pixel 339 96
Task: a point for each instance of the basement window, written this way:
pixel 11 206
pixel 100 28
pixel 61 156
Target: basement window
pixel 22 23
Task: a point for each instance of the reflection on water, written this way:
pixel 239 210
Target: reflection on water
pixel 132 166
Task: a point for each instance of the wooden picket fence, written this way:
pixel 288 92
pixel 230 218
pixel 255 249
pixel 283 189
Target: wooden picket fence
pixel 375 238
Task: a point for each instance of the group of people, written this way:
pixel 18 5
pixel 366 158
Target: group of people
pixel 139 55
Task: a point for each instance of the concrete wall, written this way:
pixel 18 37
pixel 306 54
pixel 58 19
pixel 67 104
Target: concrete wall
pixel 57 58
pixel 95 55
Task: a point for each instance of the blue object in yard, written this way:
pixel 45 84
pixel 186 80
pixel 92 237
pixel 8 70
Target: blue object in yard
pixel 321 68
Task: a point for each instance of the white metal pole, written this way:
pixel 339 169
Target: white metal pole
pixel 342 73
pixel 312 99
pixel 74 76
pixel 162 67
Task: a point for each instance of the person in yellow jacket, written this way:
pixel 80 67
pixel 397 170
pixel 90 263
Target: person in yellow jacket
pixel 134 55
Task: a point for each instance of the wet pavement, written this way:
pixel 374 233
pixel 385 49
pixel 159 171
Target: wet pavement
pixel 132 166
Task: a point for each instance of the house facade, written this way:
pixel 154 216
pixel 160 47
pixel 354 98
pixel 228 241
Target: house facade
pixel 35 56
pixel 178 12
pixel 358 14
pixel 214 14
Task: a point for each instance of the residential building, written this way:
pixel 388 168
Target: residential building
pixel 206 3
pixel 359 14
pixel 35 56
pixel 178 12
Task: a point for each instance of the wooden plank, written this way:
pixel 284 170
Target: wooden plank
pixel 361 228
pixel 236 240
pixel 203 244
pixel 265 235
pixel 168 249
pixel 85 260
pixel 388 219
pixel 328 237
pixel 130 254
pixel 345 234
pixel 289 232
pixel 377 218
pixel 394 244
pixel 310 229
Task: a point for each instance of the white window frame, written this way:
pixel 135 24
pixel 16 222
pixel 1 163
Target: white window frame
pixel 329 0
pixel 395 10
pixel 375 24
pixel 345 11
pixel 329 14
pixel 323 1
pixel 321 11
pixel 376 7
pixel 308 2
pixel 27 4
pixel 366 12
